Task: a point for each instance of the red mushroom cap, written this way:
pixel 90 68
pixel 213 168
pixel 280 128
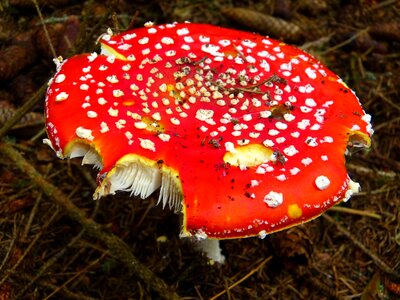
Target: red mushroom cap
pixel 243 134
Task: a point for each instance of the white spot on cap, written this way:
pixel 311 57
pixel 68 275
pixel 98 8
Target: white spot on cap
pixel 281 125
pixel 366 118
pixel 110 58
pixel 287 67
pixel 101 101
pixel 204 114
pixel 134 87
pixel 84 133
pixel 295 134
pixel 128 135
pixel 113 112
pixel 310 102
pixel 167 41
pixel 143 40
pixel 290 151
pixel 273 132
pixel 230 147
pixel 254 135
pixel 118 93
pixel 163 87
pixel 280 140
pixel 315 127
pixel 112 79
pixel 170 53
pixel 147 144
pixel 322 182
pixel 156 116
pixel 303 124
pixel 120 123
pixel 289 117
pixel 164 137
pixel 308 88
pixel 268 143
pixel 281 177
pixel 211 49
pixel 262 234
pixel 354 187
pixel 311 73
pixel 273 199
pixel 92 56
pixel 175 121
pixel 296 79
pixel 126 67
pixel 327 139
pixel 260 170
pixel 188 39
pixel 311 141
pixel 104 127
pixel 140 125
pixel 84 87
pixel 182 31
pixel 124 46
pixel 60 78
pixel 294 171
pixel 62 96
pixel 204 39
pixel 305 109
pixel 91 114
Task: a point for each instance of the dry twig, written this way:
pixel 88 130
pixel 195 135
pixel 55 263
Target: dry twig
pixel 243 278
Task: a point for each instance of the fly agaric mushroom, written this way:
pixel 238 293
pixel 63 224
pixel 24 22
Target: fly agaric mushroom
pixel 242 134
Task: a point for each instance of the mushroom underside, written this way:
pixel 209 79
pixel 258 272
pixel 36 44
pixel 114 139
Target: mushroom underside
pixel 136 175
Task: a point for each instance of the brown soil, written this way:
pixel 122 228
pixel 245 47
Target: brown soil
pixel 56 242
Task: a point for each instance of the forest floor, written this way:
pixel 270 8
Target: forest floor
pixel 57 243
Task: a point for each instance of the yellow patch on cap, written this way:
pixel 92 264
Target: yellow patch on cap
pixel 250 155
pixel 294 211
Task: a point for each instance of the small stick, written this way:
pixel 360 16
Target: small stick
pixel 361 170
pixel 348 41
pixel 31 217
pixel 241 55
pixel 46 32
pixel 242 279
pixel 353 211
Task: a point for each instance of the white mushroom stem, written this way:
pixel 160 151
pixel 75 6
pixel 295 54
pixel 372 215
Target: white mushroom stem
pixel 211 248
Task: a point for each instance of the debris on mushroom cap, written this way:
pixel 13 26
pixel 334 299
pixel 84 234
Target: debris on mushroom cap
pixel 243 134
